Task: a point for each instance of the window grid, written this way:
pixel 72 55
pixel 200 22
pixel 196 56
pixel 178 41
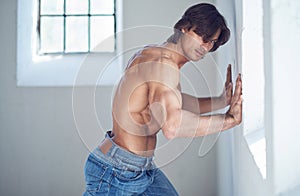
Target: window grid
pixel 64 15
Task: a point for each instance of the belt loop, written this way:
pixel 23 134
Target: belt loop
pixel 150 163
pixel 147 162
pixel 113 151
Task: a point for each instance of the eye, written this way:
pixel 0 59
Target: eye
pixel 213 41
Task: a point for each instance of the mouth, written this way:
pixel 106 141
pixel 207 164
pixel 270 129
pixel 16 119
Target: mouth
pixel 200 53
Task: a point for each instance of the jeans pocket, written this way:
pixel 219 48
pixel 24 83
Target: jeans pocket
pixel 94 172
pixel 128 175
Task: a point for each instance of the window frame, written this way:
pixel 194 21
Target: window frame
pixel 64 16
pixel 255 138
pixel 61 70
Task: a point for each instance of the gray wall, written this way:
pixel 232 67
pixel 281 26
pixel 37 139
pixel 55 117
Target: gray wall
pixel 40 149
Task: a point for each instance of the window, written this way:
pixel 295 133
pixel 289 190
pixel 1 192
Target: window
pixel 49 55
pixel 74 26
pixel 253 80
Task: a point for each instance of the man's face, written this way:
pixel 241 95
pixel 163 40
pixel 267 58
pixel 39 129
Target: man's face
pixel 193 46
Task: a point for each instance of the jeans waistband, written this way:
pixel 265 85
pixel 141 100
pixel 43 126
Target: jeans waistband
pixel 120 157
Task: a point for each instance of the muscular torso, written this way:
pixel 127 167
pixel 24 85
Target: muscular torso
pixel 134 125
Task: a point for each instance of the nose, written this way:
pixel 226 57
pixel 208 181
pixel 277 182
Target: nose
pixel 207 46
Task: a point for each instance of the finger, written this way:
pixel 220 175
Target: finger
pixel 241 85
pixel 240 100
pixel 237 91
pixel 230 89
pixel 229 75
pixel 240 80
pixel 229 94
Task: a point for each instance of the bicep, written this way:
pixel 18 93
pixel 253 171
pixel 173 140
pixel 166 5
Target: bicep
pixel 165 107
pixel 169 98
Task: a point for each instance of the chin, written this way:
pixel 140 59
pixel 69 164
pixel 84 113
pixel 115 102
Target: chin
pixel 197 58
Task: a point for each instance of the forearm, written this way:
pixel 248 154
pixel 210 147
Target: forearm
pixel 202 105
pixel 185 121
pixel 203 125
pixel 210 104
pixel 191 125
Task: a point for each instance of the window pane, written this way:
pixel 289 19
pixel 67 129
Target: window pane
pixel 76 34
pixel 51 34
pixel 102 6
pixel 77 6
pixel 102 33
pixel 52 6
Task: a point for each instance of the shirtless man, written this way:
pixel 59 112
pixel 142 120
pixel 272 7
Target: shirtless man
pixel 148 100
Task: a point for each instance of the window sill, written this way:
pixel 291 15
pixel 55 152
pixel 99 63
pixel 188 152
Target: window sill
pixel 61 70
pixel 71 70
pixel 257 145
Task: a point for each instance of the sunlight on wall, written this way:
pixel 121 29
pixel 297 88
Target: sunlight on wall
pixel 254 81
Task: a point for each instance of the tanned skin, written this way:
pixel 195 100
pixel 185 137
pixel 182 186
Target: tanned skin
pixel 148 98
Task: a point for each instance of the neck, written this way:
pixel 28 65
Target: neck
pixel 175 51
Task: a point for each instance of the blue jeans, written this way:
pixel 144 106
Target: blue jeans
pixel 120 172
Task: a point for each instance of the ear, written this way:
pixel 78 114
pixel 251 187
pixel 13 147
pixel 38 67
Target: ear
pixel 183 30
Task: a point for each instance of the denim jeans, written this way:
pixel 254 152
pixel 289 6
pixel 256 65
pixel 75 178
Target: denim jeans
pixel 120 172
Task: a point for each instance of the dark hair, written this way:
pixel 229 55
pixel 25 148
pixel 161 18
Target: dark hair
pixel 205 20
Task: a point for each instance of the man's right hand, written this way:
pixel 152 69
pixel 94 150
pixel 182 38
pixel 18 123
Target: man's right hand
pixel 234 114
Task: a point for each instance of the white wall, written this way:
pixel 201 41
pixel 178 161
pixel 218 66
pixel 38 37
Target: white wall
pixel 281 25
pixel 285 25
pixel 237 170
pixel 40 148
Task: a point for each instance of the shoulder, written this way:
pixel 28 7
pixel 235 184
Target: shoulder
pixel 152 66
